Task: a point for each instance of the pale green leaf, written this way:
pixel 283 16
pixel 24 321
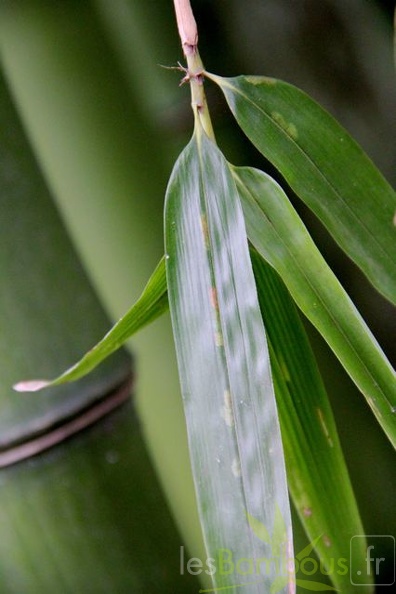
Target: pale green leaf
pixel 233 429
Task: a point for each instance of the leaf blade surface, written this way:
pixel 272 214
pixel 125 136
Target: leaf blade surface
pixel 278 234
pixel 230 410
pixel 313 454
pixel 325 167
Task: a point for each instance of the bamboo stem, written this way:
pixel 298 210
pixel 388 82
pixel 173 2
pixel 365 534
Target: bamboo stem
pixel 187 26
pixel 195 71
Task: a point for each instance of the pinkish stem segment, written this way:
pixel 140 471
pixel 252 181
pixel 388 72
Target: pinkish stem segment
pixel 188 32
pixel 187 26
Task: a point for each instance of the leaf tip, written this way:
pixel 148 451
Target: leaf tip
pixel 31 385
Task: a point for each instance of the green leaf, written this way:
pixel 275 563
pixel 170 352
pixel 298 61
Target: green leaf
pixel 232 423
pixel 151 304
pixel 278 234
pixel 313 454
pixel 325 167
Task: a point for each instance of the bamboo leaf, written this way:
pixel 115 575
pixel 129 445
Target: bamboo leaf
pixel 313 454
pixel 325 167
pixel 234 437
pixel 280 237
pixel 151 304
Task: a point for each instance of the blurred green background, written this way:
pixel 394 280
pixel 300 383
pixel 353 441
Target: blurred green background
pixel 106 122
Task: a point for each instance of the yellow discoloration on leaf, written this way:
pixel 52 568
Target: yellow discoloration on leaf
pixel 226 411
pixel 205 230
pixel 261 80
pixel 236 468
pixel 324 427
pixel 219 339
pixel 288 127
pixel 284 369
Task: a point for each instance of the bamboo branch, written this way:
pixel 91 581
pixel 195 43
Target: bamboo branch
pixel 195 71
pixel 187 26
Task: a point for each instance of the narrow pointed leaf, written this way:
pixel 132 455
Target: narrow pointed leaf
pixel 233 429
pixel 152 303
pixel 313 454
pixel 279 235
pixel 325 167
